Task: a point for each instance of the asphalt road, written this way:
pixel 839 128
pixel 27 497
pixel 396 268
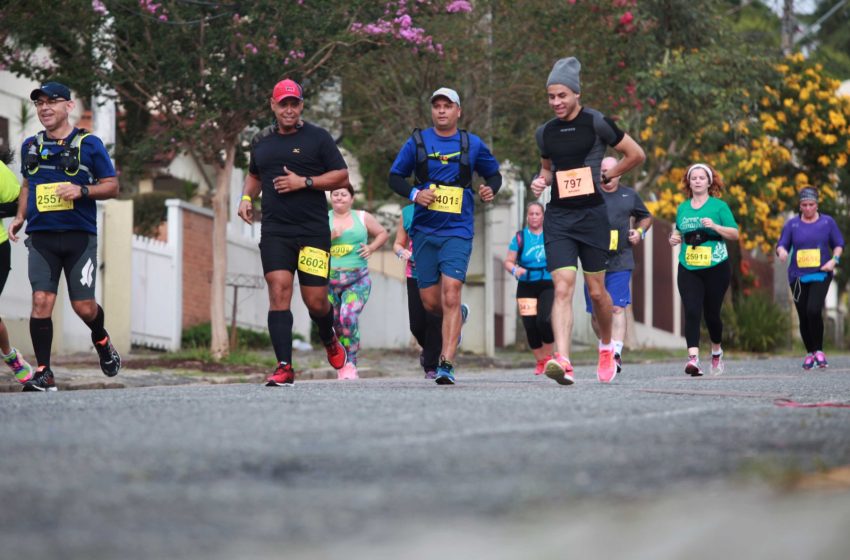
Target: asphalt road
pixel 502 465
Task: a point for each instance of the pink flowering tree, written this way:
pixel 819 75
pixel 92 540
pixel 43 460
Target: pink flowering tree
pixel 200 73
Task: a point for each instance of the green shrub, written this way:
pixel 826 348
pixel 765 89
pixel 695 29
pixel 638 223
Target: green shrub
pixel 756 324
pixel 200 336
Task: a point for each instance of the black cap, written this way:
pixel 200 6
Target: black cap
pixel 53 90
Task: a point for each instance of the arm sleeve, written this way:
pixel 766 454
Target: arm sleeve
pixel 399 185
pixel 494 182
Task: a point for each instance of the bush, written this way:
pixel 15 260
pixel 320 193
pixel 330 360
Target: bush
pixel 200 336
pixel 756 324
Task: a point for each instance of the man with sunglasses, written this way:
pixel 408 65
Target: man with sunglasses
pixel 292 163
pixel 65 170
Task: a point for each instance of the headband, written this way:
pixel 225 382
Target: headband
pixel 705 168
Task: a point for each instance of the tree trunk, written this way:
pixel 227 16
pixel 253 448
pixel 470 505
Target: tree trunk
pixel 220 346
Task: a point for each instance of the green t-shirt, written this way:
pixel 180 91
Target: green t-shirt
pixel 10 189
pixel 344 249
pixel 713 251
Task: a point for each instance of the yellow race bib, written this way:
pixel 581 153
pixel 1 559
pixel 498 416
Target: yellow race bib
pixel 527 306
pixel 698 256
pixel 46 199
pixel 615 240
pixel 574 182
pixel 341 250
pixel 448 199
pixel 808 258
pixel 313 261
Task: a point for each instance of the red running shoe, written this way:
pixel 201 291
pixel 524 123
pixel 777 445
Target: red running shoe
pixel 337 356
pixel 283 376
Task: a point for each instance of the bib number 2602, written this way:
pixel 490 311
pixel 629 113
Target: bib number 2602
pixel 313 261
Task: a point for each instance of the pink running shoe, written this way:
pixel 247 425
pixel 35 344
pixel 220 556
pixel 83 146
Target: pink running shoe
pixel 348 371
pixel 820 360
pixel 809 361
pixel 718 366
pixel 560 369
pixel 606 370
pixel 692 367
pixel 541 365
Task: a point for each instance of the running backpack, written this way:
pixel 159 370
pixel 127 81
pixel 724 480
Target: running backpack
pixel 420 172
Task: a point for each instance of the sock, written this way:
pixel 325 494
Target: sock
pixel 326 326
pixel 608 346
pixel 618 346
pixel 280 331
pixel 41 332
pixel 98 333
pixel 718 353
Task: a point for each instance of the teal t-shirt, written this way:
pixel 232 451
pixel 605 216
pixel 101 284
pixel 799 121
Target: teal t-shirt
pixel 712 251
pixel 533 257
pixel 344 249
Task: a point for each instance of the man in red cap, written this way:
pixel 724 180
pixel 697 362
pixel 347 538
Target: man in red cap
pixel 292 163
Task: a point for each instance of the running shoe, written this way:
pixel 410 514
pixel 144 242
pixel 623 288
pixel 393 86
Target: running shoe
pixel 110 361
pixel 606 370
pixel 619 361
pixel 692 367
pixel 718 366
pixel 283 376
pixel 820 359
pixel 337 356
pixel 464 315
pixel 430 374
pixel 348 371
pixel 559 369
pixel 541 365
pixel 445 373
pixel 42 381
pixel 20 367
pixel 809 361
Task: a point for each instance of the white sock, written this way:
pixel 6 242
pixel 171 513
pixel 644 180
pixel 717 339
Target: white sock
pixel 608 346
pixel 618 346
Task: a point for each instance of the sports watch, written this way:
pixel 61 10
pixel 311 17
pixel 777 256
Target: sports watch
pixel 84 191
pixel 308 182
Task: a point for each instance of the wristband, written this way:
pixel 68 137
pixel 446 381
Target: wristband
pixel 641 232
pixel 836 258
pixel 248 198
pixel 413 194
pixel 513 272
pixel 399 253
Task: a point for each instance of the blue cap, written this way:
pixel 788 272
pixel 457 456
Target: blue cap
pixel 53 90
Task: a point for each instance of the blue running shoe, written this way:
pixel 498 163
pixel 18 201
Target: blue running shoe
pixel 464 315
pixel 445 373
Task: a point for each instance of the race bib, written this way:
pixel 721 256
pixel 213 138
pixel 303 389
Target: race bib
pixel 448 199
pixel 313 261
pixel 698 256
pixel 615 240
pixel 527 306
pixel 46 199
pixel 808 258
pixel 574 182
pixel 341 250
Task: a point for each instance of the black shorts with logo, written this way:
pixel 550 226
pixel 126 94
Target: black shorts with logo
pixel 278 252
pixel 75 252
pixel 577 233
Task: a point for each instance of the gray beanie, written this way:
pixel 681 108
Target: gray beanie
pixel 566 72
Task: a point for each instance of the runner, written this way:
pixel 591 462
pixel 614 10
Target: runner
pixel 815 245
pixel 624 205
pixel 576 226
pixel 442 160
pixel 292 163
pixel 65 170
pixel 704 223
pixel 425 327
pixel 9 192
pixel 526 261
pixel 350 283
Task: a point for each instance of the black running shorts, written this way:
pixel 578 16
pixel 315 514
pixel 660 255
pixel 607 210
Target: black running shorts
pixel 310 256
pixel 75 252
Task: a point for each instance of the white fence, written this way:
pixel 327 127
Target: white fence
pixel 156 310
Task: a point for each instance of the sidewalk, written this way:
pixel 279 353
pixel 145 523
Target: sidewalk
pixel 144 369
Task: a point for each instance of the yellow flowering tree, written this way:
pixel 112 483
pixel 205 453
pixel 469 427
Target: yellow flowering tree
pixel 796 132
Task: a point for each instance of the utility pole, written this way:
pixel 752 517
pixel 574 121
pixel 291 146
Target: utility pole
pixel 789 25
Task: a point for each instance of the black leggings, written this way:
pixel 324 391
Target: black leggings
pixel 702 293
pixel 809 298
pixel 538 328
pixel 426 327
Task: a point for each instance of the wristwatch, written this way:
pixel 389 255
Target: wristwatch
pixel 84 191
pixel 308 182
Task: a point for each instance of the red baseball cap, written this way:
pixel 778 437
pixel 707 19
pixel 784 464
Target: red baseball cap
pixel 287 88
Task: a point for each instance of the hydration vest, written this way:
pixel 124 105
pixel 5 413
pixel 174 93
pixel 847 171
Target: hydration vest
pixel 69 159
pixel 420 172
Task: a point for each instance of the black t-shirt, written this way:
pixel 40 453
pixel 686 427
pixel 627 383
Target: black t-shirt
pixel 309 152
pixel 578 143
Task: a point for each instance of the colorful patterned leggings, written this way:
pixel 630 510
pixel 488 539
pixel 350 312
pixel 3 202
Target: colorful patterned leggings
pixel 348 292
